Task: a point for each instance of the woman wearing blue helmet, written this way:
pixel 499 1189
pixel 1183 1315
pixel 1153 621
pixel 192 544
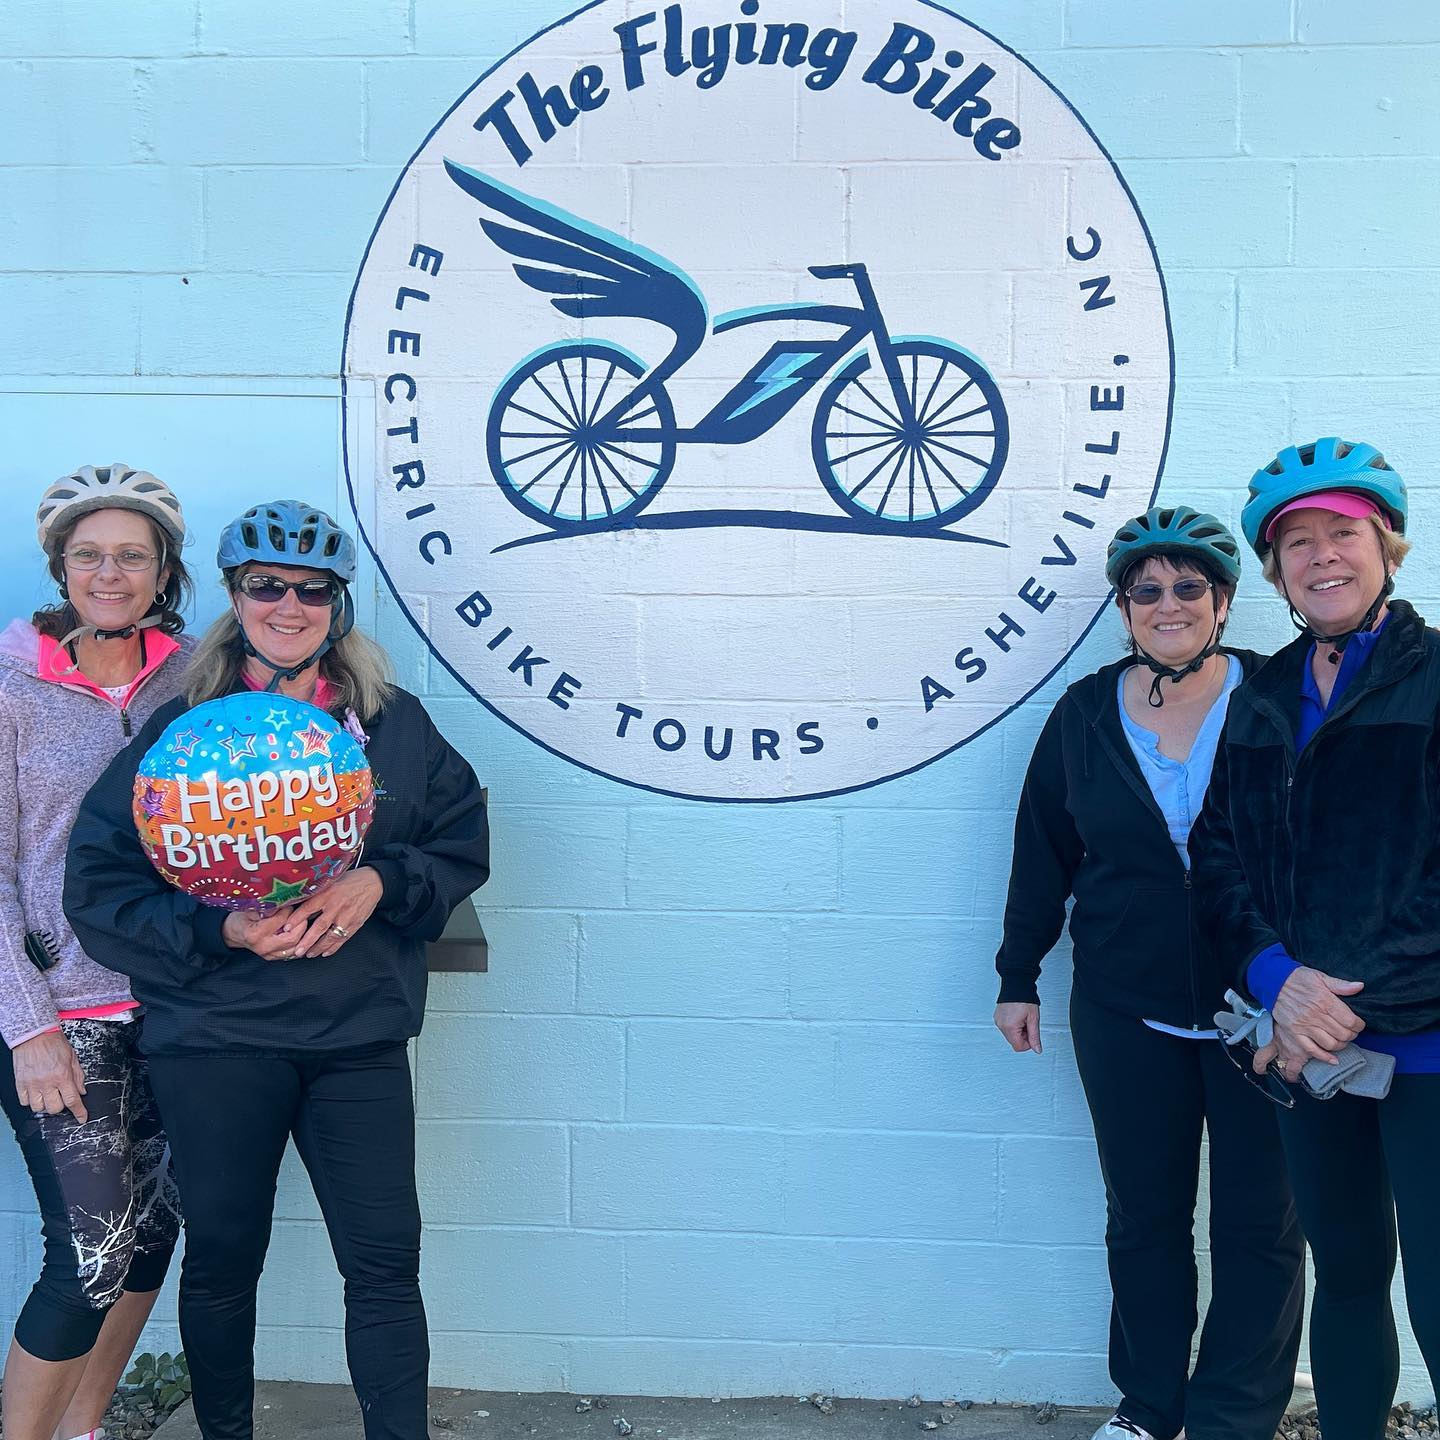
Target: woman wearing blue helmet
pixel 1317 867
pixel 246 1054
pixel 1117 777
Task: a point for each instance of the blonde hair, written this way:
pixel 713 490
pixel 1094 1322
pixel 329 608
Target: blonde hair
pixel 357 668
pixel 1394 547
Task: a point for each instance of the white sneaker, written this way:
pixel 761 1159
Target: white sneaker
pixel 1118 1428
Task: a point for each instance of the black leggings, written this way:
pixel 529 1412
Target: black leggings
pixel 108 1206
pixel 1356 1166
pixel 353 1121
pixel 1150 1095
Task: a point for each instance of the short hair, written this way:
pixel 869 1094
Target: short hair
pixel 1178 558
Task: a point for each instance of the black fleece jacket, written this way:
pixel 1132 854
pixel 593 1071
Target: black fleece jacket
pixel 1088 826
pixel 1334 853
pixel 428 841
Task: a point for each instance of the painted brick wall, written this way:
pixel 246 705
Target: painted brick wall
pixel 728 1115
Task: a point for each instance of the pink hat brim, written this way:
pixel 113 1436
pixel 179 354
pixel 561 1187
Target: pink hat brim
pixel 1340 502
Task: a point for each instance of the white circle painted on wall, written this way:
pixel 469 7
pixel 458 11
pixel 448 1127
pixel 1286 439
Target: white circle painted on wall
pixel 758 385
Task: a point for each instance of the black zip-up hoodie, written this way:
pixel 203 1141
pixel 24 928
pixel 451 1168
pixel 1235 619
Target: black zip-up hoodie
pixel 1088 826
pixel 1334 853
pixel 428 841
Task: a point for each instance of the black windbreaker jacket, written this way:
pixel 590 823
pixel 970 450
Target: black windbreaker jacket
pixel 1334 853
pixel 428 840
pixel 1088 826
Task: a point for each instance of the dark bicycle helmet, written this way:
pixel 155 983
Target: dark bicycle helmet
pixel 1327 464
pixel 1173 527
pixel 287 532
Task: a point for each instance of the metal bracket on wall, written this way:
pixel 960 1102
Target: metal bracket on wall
pixel 462 946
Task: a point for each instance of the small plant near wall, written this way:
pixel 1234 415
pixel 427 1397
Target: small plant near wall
pixel 160 1381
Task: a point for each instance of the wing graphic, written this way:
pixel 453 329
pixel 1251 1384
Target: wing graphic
pixel 584 269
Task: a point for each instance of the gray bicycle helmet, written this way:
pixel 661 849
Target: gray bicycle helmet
pixel 287 532
pixel 110 487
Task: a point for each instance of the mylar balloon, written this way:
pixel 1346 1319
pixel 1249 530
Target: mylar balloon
pixel 253 801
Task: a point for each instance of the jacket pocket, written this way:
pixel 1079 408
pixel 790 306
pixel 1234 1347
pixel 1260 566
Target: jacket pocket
pixel 1143 943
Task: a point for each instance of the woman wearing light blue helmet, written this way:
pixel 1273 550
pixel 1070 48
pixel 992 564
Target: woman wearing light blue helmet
pixel 1117 777
pixel 1317 866
pixel 247 1054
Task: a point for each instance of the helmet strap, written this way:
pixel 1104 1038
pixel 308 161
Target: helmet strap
pixel 1174 674
pixel 83 632
pixel 342 621
pixel 1337 643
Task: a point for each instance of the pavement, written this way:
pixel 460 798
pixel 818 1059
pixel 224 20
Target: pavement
pixel 291 1411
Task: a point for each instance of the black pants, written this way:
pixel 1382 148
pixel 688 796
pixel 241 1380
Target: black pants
pixel 353 1121
pixel 108 1207
pixel 1150 1094
pixel 1356 1166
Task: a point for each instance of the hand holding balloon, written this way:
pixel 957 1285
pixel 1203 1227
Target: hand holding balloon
pixel 344 907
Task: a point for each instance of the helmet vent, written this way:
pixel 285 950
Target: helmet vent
pixel 250 536
pixel 1307 454
pixel 1342 449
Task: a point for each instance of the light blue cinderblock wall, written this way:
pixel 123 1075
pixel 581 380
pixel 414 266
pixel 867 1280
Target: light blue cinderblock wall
pixel 727 1115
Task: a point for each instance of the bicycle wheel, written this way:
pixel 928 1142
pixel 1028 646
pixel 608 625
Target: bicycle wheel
pixel 922 470
pixel 552 458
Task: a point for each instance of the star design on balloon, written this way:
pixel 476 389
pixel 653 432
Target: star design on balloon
pixel 153 801
pixel 328 869
pixel 314 740
pixel 277 718
pixel 237 749
pixel 283 894
pixel 166 875
pixel 186 740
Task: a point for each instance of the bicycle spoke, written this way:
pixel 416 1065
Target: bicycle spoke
pixel 963 454
pixel 530 484
pixel 559 494
pixel 934 386
pixel 910 483
pixel 925 476
pixel 634 459
pixel 956 434
pixel 945 405
pixel 858 434
pixel 884 461
pixel 544 389
pixel 565 427
pixel 604 459
pixel 864 450
pixel 574 404
pixel 940 466
pixel 868 419
pixel 584 391
pixel 600 395
pixel 885 498
pixel 877 403
pixel 538 450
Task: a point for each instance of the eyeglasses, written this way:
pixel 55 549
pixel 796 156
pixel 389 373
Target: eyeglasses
pixel 269 589
pixel 1151 592
pixel 86 557
pixel 1272 1085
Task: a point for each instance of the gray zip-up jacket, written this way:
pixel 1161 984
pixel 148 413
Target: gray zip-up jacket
pixel 57 733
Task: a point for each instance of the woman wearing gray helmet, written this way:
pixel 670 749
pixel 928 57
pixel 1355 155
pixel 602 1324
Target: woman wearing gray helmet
pixel 75 679
pixel 247 1054
pixel 1117 778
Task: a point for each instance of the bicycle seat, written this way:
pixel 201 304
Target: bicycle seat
pixel 836 272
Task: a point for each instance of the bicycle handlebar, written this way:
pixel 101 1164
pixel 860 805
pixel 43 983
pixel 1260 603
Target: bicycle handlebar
pixel 836 272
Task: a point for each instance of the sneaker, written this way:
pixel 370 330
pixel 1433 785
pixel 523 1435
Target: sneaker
pixel 1119 1428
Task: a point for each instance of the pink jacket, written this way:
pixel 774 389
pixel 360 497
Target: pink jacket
pixel 58 731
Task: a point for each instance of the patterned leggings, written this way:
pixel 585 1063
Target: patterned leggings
pixel 108 1204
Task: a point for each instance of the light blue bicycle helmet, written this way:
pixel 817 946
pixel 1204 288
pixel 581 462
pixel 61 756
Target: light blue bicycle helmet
pixel 287 532
pixel 1173 527
pixel 1327 464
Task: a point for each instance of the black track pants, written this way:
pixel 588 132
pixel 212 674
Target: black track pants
pixel 1357 1165
pixel 1150 1096
pixel 353 1121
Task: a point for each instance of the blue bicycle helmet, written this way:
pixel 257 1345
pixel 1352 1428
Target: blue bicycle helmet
pixel 287 532
pixel 1328 464
pixel 1173 527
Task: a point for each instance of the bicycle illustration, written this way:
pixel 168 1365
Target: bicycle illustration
pixel 909 435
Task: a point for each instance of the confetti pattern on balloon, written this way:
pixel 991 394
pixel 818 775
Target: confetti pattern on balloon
pixel 253 801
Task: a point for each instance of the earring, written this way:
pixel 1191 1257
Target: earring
pixel 160 598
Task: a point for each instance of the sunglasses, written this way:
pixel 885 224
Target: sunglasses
pixel 269 589
pixel 1272 1084
pixel 1151 592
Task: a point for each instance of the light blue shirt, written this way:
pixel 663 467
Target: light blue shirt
pixel 1179 785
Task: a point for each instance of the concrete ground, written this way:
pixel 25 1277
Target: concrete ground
pixel 285 1411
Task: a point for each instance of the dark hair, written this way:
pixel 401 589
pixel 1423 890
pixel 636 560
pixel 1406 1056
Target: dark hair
pixel 1178 558
pixel 60 619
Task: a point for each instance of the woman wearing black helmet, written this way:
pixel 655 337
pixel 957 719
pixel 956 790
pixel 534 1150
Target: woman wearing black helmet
pixel 1118 776
pixel 1317 869
pixel 247 1054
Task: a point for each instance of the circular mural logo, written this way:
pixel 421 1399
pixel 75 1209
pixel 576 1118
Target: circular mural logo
pixel 756 390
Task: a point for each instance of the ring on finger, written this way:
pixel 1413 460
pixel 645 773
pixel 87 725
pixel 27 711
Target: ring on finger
pixel 341 931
